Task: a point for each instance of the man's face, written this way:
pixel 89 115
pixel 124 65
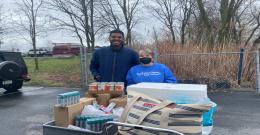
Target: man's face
pixel 116 39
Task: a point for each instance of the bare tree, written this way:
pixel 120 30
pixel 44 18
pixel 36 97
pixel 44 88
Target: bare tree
pixel 242 18
pixel 78 16
pixel 206 22
pixel 187 7
pixel 2 29
pixel 28 21
pixel 229 23
pixel 164 11
pixel 109 14
pixel 228 9
pixel 255 25
pixel 129 9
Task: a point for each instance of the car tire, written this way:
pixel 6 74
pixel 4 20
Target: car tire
pixel 10 70
pixel 16 85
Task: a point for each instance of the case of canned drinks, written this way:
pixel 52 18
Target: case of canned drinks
pixel 93 123
pixel 69 98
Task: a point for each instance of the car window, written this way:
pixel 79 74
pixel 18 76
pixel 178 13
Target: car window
pixel 1 58
pixel 16 57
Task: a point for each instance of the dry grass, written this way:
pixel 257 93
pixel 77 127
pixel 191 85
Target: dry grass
pixel 198 62
pixel 192 62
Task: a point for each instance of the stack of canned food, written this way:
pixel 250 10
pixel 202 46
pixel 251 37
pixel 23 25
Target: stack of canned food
pixel 68 98
pixel 107 86
pixel 92 123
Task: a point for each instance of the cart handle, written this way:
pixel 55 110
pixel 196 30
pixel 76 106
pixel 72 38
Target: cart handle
pixel 140 127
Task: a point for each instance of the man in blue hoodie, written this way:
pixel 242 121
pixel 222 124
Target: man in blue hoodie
pixel 110 64
pixel 148 71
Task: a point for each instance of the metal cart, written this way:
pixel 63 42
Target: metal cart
pixel 110 128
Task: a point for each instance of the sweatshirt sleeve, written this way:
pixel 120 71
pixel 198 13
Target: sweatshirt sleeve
pixel 94 65
pixel 168 76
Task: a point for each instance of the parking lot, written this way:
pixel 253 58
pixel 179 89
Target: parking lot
pixel 24 113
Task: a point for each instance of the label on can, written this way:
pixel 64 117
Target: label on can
pixel 119 86
pixel 110 86
pixel 101 86
pixel 93 86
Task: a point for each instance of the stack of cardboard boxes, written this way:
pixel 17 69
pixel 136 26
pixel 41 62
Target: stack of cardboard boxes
pixel 64 116
pixel 103 93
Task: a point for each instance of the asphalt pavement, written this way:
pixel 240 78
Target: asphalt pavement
pixel 238 113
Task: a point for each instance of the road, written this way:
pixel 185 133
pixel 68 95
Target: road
pixel 24 113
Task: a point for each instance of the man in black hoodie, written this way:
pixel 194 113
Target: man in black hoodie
pixel 110 64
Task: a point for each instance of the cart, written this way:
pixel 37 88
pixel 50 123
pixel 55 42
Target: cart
pixel 110 128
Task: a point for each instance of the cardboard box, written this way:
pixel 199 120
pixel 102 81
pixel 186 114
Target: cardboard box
pixel 86 101
pixel 120 101
pixel 64 116
pixel 103 99
pixel 113 94
pixel 169 91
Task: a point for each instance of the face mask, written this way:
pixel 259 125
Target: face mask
pixel 145 60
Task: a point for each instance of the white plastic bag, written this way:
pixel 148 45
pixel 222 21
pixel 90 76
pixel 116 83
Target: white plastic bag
pixel 92 111
pixel 117 112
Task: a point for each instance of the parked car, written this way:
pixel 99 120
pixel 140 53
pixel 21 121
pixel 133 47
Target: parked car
pixel 13 71
pixel 40 52
pixel 65 50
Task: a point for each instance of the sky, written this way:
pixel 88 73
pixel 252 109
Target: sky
pixel 13 41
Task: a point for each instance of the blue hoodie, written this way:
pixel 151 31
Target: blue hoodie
pixel 155 73
pixel 112 65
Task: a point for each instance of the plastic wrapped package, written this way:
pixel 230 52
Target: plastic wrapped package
pixel 91 110
pixel 117 112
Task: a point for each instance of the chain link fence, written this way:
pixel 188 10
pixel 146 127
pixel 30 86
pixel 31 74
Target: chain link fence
pixel 218 70
pixel 85 58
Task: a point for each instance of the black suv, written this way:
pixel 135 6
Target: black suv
pixel 13 71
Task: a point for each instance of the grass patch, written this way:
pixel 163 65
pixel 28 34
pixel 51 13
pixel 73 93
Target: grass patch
pixel 55 72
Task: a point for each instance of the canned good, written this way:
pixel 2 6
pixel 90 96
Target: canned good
pixel 97 120
pixel 59 100
pixel 90 124
pixel 68 98
pixel 119 87
pixel 93 123
pixel 93 86
pixel 77 121
pixel 110 86
pixel 82 122
pixel 101 86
